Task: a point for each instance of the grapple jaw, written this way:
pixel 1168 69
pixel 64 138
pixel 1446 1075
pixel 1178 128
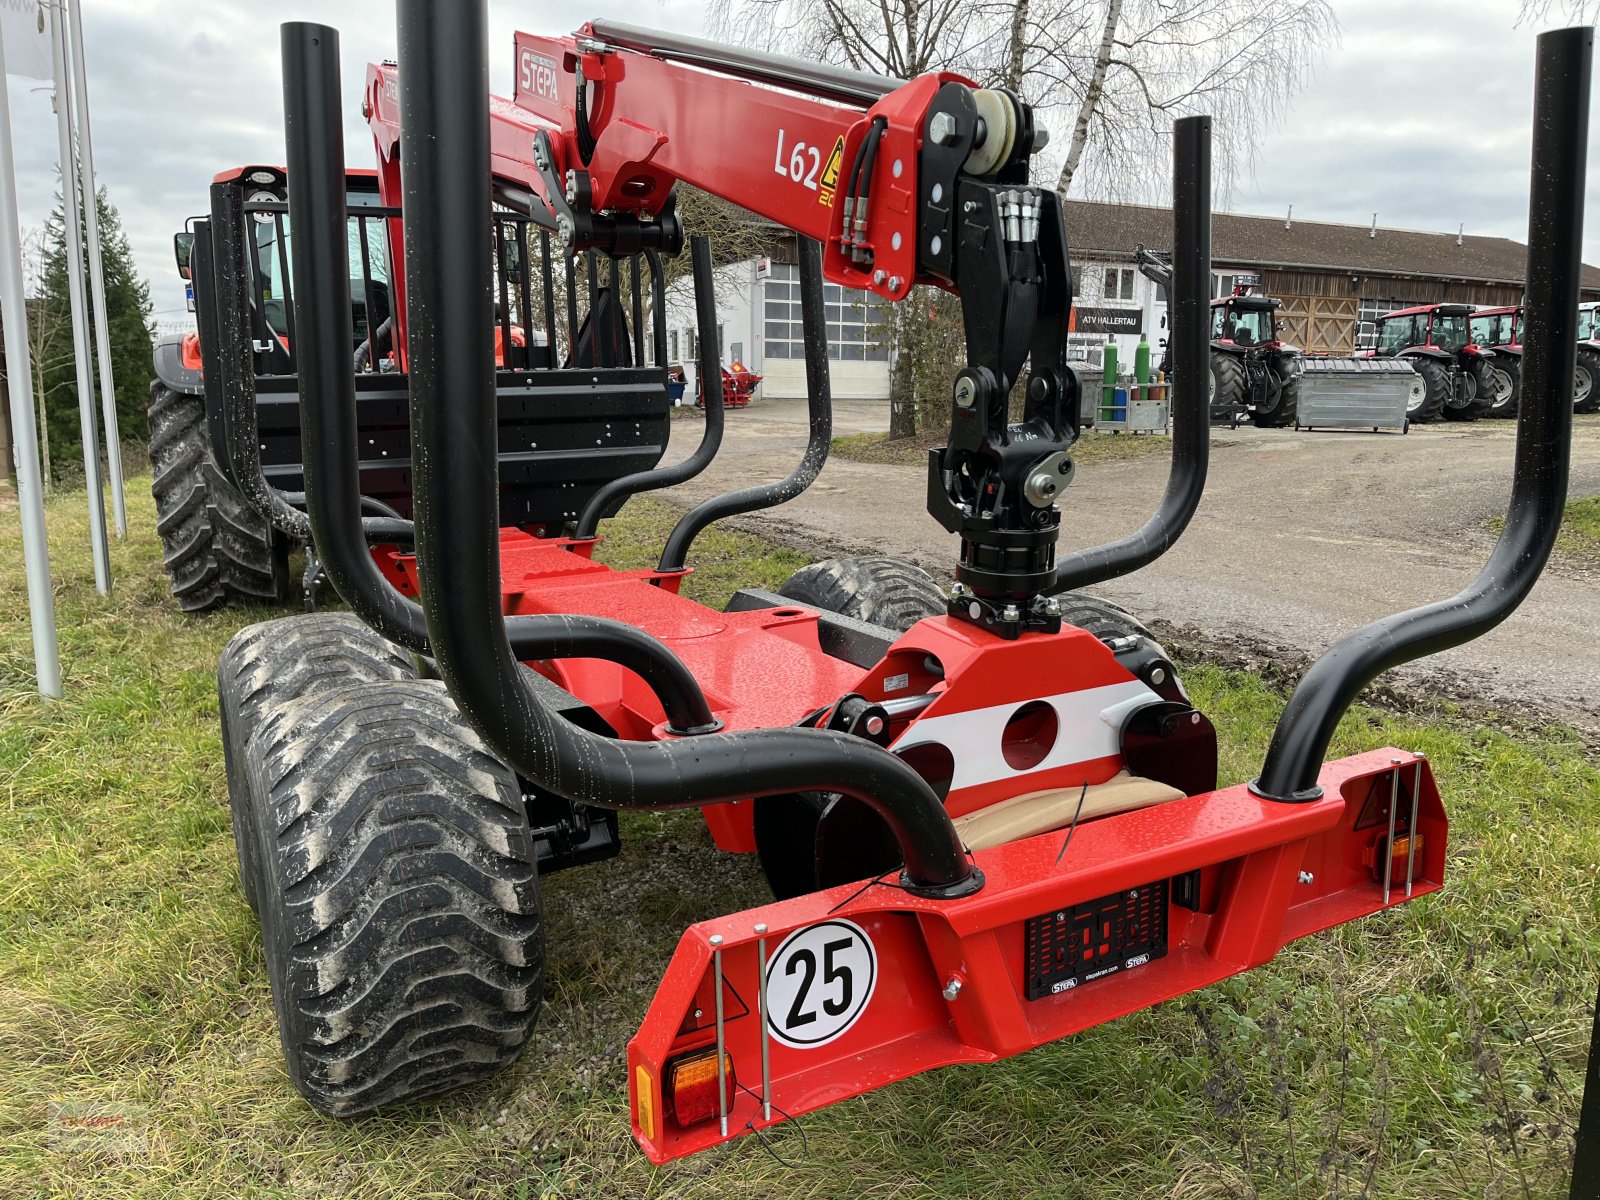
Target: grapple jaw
pixel 865 984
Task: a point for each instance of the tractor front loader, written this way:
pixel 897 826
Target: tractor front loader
pixel 995 829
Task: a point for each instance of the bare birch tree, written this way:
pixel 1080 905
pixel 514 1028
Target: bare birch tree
pixel 1118 71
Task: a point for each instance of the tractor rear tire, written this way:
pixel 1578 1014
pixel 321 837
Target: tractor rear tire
pixel 1478 388
pixel 1286 413
pixel 1586 401
pixel 1435 390
pixel 881 591
pixel 271 663
pixel 216 549
pixel 1508 388
pixel 1227 387
pixel 400 911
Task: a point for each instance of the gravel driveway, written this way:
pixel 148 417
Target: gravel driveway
pixel 1301 537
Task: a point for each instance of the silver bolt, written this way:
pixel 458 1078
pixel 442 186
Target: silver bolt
pixel 966 392
pixel 958 588
pixel 1011 613
pixel 1158 676
pixel 879 276
pixel 894 283
pixel 1052 607
pixel 761 926
pixel 572 187
pixel 874 725
pixel 1306 877
pixel 974 610
pixel 952 988
pixel 942 128
pixel 715 939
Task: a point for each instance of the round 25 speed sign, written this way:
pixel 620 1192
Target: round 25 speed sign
pixel 819 983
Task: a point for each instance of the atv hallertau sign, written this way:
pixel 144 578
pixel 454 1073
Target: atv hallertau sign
pixel 1106 320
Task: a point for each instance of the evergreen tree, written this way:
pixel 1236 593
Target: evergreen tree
pixel 128 310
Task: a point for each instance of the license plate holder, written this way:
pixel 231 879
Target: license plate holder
pixel 1078 944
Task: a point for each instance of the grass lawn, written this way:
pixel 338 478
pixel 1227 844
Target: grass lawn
pixel 1433 1051
pixel 1578 543
pixel 1092 447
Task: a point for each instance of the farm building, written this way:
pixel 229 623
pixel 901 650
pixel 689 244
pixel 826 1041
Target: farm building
pixel 1330 278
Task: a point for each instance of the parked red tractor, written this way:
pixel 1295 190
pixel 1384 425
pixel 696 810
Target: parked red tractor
pixel 1454 376
pixel 987 831
pixel 1252 372
pixel 1496 330
pixel 1586 385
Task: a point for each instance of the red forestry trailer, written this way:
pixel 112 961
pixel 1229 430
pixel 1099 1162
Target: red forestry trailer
pixel 995 829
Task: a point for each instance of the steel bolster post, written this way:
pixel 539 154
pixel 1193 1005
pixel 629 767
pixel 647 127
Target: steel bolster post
pixel 1544 442
pixel 1191 353
pixel 705 316
pixel 819 406
pixel 232 361
pixel 445 167
pixel 328 420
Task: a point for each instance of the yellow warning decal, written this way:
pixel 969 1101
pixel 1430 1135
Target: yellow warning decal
pixel 830 175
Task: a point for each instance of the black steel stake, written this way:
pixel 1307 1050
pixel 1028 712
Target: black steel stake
pixel 1544 442
pixel 444 89
pixel 819 402
pixel 1191 358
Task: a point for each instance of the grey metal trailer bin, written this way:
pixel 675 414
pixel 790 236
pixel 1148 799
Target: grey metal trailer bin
pixel 1355 393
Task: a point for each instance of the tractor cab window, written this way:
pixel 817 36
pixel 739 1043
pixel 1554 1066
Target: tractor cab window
pixel 1449 332
pixel 1246 327
pixel 1494 330
pixel 1396 334
pixel 274 240
pixel 1588 320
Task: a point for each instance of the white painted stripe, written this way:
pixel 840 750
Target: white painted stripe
pixel 1089 726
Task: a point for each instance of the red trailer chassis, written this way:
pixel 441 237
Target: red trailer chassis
pixel 1226 877
pixel 965 956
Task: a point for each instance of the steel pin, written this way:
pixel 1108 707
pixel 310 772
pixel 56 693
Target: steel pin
pixel 761 1004
pixel 1411 839
pixel 722 1061
pixel 1388 850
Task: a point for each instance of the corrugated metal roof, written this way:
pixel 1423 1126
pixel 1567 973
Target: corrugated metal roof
pixel 1245 240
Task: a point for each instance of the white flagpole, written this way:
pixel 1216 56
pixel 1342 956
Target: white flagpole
pixel 19 385
pixel 82 348
pixel 97 281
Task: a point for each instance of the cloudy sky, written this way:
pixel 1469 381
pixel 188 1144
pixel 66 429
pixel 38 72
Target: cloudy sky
pixel 1422 113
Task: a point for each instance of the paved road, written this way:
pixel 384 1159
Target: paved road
pixel 1301 538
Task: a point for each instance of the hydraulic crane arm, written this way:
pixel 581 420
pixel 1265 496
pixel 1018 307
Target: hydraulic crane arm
pixel 924 181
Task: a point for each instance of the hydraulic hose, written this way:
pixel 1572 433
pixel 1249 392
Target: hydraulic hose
pixel 445 163
pixel 312 122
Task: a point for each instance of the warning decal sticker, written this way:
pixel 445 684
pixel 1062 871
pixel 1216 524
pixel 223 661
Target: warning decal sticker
pixel 830 175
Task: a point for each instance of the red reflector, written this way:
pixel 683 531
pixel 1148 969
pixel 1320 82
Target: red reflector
pixel 692 1085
